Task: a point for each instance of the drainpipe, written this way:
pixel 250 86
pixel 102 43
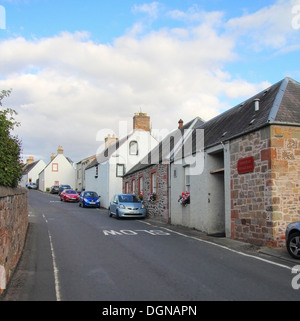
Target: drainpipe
pixel 169 192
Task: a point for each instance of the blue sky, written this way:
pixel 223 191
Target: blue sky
pixel 80 67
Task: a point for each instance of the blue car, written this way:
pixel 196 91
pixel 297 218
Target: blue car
pixel 127 205
pixel 89 199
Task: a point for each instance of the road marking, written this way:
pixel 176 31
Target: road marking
pixel 55 268
pixel 134 232
pixel 226 248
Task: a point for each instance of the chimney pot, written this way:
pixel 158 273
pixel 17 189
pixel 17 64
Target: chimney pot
pixel 110 140
pixel 180 122
pixel 141 121
pixel 30 160
pixel 60 150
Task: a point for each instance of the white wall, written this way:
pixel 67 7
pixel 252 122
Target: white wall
pixel 209 210
pixel 65 175
pixel 108 184
pixel 33 175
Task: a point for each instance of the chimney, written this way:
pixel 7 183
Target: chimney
pixel 60 150
pixel 52 156
pixel 141 122
pixel 110 140
pixel 180 122
pixel 256 104
pixel 30 160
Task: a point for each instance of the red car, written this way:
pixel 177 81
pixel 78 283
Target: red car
pixel 69 195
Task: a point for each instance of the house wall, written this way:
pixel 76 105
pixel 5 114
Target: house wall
pixel 284 155
pixel 33 175
pixel 266 200
pixel 208 210
pixel 100 183
pixel 65 174
pixel 107 184
pixel 160 208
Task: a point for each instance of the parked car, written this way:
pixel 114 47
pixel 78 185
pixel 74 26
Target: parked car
pixel 292 236
pixel 62 187
pixel 54 189
pixel 31 186
pixel 89 199
pixel 127 205
pixel 69 195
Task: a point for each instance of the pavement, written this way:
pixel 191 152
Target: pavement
pixel 280 253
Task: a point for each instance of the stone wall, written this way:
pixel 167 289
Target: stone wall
pixel 159 208
pixel 284 184
pixel 13 228
pixel 264 201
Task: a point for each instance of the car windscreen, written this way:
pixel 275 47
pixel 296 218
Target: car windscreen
pixel 71 192
pixel 91 194
pixel 128 199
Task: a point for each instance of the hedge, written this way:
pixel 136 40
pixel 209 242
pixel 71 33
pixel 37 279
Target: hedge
pixel 10 147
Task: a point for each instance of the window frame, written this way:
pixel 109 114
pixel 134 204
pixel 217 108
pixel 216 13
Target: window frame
pixel 131 144
pixel 117 170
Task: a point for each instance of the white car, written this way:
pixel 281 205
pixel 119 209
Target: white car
pixel 31 186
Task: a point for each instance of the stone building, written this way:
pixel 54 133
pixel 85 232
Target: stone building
pixel 249 186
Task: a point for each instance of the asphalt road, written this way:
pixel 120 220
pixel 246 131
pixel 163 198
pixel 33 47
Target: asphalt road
pixel 81 254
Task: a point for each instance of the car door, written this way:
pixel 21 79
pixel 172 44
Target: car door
pixel 81 197
pixel 113 205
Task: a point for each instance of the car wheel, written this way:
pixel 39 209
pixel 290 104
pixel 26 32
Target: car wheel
pixel 293 245
pixel 117 215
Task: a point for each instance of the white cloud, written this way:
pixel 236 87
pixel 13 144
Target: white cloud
pixel 269 27
pixel 151 9
pixel 67 88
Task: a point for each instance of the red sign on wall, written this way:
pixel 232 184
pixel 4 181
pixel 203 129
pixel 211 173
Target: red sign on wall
pixel 245 165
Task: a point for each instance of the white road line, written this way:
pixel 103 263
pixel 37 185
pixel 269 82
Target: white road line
pixel 226 248
pixel 55 269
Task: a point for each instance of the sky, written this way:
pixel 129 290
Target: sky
pixel 80 70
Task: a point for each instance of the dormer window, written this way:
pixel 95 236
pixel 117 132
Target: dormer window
pixel 133 148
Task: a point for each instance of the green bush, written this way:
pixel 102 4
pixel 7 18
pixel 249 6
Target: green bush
pixel 10 147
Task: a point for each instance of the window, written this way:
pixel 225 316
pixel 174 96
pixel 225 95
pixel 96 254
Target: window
pixel 133 148
pixel 120 170
pixel 126 188
pixel 187 178
pixel 54 167
pixel 141 184
pixel 133 186
pixel 153 182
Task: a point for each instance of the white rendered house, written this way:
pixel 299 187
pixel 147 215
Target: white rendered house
pixel 31 171
pixel 60 170
pixel 104 175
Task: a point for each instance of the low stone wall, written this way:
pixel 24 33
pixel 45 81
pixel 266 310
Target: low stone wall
pixel 13 228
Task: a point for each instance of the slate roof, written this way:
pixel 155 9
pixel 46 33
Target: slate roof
pixel 28 167
pixel 278 104
pixel 163 152
pixel 104 156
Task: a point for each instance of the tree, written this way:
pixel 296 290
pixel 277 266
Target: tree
pixel 10 146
